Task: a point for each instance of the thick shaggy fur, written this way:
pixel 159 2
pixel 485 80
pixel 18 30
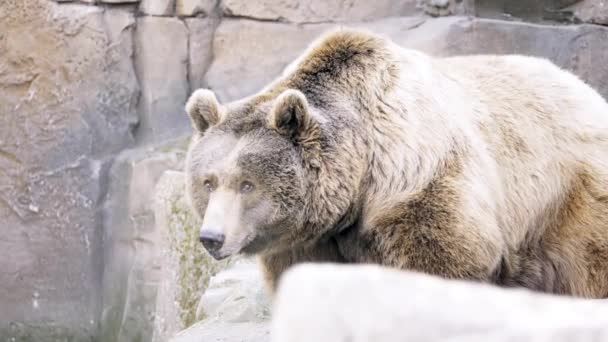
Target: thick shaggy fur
pixel 489 168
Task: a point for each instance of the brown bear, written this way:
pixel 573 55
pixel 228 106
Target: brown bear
pixel 488 168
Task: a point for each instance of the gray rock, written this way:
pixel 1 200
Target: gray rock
pixel 591 11
pixel 265 48
pixel 157 7
pixel 316 11
pixel 200 33
pixel 132 241
pixel 83 1
pixel 67 95
pixel 236 295
pixel 161 58
pixel 189 8
pixel 235 307
pixel 525 10
pixel 573 47
pixel 249 54
pixel 440 8
pixel 224 332
pixel 116 1
pixel 369 303
pixel 185 267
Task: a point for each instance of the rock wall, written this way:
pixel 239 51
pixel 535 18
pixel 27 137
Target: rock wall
pixel 91 115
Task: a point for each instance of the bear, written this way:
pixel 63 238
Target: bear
pixel 487 168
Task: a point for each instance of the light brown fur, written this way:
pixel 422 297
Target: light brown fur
pixel 489 168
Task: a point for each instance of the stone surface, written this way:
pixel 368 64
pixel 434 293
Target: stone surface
pixel 267 48
pixel 518 10
pixel 132 241
pixel 224 332
pixel 161 57
pixel 157 7
pixel 80 247
pixel 236 295
pixel 189 8
pixel 200 33
pixel 591 11
pixel 186 267
pixel 575 47
pixel 264 49
pixel 324 303
pixel 83 1
pixel 67 96
pixel 116 1
pixel 235 307
pixel 316 11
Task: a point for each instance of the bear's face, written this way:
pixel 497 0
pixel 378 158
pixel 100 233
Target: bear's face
pixel 245 174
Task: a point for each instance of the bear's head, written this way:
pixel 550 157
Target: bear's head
pixel 248 169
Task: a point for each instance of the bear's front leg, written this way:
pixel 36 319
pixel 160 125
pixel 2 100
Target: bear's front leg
pixel 441 230
pixel 273 265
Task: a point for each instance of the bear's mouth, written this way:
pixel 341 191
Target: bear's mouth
pixel 252 244
pixel 218 255
pixel 255 246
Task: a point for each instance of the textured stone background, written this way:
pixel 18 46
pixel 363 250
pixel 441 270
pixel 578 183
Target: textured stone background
pixel 91 115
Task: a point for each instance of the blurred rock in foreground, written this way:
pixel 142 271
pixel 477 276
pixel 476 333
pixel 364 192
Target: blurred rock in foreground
pixel 325 303
pixel 234 308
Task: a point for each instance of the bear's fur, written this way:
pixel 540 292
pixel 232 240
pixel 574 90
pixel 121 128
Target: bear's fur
pixel 489 168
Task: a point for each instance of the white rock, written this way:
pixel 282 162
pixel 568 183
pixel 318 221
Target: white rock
pixel 114 1
pixel 234 308
pixel 315 11
pixel 250 54
pixel 161 59
pixel 591 11
pixel 224 332
pixel 188 8
pixel 236 295
pixel 157 7
pixel 324 303
pixel 200 33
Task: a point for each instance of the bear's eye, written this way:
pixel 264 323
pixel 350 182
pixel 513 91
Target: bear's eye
pixel 247 187
pixel 208 185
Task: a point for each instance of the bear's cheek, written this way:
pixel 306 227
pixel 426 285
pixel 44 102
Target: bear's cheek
pixel 259 212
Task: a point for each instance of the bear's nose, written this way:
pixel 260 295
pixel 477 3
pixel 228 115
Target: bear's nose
pixel 212 241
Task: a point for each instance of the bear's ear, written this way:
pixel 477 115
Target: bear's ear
pixel 290 116
pixel 204 110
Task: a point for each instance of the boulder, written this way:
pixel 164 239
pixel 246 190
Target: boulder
pixel 235 307
pixel 328 303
